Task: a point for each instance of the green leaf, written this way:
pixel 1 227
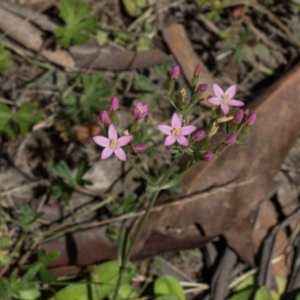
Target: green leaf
pixel 281 284
pixel 62 170
pixel 298 297
pixel 261 51
pixel 143 44
pixel 143 84
pixel 49 258
pixel 246 283
pixel 245 294
pixel 263 294
pixel 126 291
pixel 239 54
pixel 134 7
pixel 5 116
pixel 46 276
pixel 79 23
pixel 78 291
pixel 101 37
pixel 168 285
pixel 173 182
pixel 28 294
pixel 5 62
pixel 122 38
pixel 166 297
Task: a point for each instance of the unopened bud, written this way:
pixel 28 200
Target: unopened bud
pixel 197 70
pixel 230 140
pixel 238 118
pixel 104 117
pixel 114 103
pixel 198 135
pixel 251 118
pixel 208 156
pixel 139 147
pixel 175 72
pixel 202 87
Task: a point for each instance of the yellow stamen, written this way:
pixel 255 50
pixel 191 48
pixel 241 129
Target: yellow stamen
pixel 176 131
pixel 113 144
pixel 225 99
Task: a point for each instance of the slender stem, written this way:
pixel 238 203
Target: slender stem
pixel 136 236
pixel 138 169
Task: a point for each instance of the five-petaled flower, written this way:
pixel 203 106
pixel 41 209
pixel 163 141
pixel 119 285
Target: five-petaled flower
pixel 176 133
pixel 113 144
pixel 141 110
pixel 224 98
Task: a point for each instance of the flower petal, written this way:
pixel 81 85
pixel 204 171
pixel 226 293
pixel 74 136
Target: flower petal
pixel 182 141
pixel 214 100
pixel 124 140
pixel 231 91
pixel 234 102
pixel 166 129
pixel 101 141
pixel 186 130
pixel 120 154
pixel 217 90
pixel 106 153
pixel 112 132
pixel 170 140
pixel 176 121
pixel 225 108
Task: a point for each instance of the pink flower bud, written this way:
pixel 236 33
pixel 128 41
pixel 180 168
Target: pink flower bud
pixel 198 135
pixel 141 110
pixel 230 140
pixel 197 70
pixel 238 118
pixel 139 147
pixel 251 118
pixel 202 87
pixel 208 156
pixel 104 117
pixel 175 72
pixel 114 103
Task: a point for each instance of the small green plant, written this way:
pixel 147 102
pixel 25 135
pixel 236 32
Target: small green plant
pixel 167 287
pixel 21 121
pixel 5 62
pixel 79 22
pixel 244 45
pixel 79 107
pixel 64 186
pixel 26 217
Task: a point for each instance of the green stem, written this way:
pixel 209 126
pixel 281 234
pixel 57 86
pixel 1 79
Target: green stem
pixel 138 169
pixel 135 238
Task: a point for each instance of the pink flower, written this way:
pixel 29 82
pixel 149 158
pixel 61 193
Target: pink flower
pixel 208 156
pixel 113 144
pixel 176 133
pixel 139 147
pixel 224 98
pixel 141 110
pixel 104 117
pixel 114 103
pixel 198 135
pixel 175 72
pixel 238 118
pixel 231 139
pixel 251 118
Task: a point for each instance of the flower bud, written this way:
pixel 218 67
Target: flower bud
pixel 114 103
pixel 251 118
pixel 139 147
pixel 230 140
pixel 202 87
pixel 208 156
pixel 197 70
pixel 175 72
pixel 238 118
pixel 104 117
pixel 198 135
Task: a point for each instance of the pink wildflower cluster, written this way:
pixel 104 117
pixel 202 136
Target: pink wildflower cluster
pixel 113 144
